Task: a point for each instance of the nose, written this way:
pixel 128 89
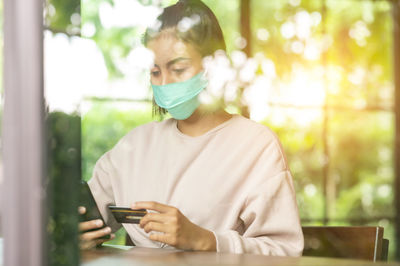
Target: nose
pixel 166 79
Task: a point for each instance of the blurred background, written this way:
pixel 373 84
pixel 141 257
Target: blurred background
pixel 318 72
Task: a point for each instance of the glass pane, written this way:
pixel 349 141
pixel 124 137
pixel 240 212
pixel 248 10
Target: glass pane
pixel 289 32
pixel 112 43
pixel 104 124
pixel 302 143
pixel 360 58
pixel 349 41
pixel 116 92
pixel 338 53
pixel 62 87
pixel 361 170
pixel 290 45
pixel 360 55
pixel 361 164
pixel 228 15
pixel 115 88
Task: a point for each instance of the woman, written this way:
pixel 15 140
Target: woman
pixel 211 180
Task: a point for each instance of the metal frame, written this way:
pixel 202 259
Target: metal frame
pixel 245 32
pixel 23 128
pixel 396 75
pixel 245 25
pixel 327 182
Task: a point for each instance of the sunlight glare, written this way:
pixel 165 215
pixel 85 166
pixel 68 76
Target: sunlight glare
pixel 128 13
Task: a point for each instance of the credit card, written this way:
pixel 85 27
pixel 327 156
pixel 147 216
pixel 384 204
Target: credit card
pixel 127 215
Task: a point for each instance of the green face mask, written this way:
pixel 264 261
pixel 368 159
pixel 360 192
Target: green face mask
pixel 180 98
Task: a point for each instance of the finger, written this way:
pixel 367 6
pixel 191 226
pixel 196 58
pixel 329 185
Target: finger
pixel 101 241
pixel 85 226
pixel 95 234
pixel 156 227
pixel 81 210
pixel 154 217
pixel 86 245
pixel 152 205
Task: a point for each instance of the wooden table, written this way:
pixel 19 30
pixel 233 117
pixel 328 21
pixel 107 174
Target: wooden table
pixel 147 256
pixel 116 256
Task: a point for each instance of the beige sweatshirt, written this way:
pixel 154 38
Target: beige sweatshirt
pixel 233 180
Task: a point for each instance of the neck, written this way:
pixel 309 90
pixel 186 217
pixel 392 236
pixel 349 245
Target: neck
pixel 201 122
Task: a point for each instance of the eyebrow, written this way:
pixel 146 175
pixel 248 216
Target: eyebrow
pixel 176 60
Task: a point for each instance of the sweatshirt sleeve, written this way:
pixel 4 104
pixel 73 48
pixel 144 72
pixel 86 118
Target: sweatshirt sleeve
pixel 271 222
pixel 101 187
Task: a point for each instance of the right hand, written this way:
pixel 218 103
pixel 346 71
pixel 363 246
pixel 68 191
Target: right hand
pixel 89 240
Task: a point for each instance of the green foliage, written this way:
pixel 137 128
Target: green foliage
pixel 103 126
pixel 64 154
pixel 228 16
pixel 353 34
pixel 360 162
pixel 63 16
pixel 361 159
pixel 303 148
pixel 114 42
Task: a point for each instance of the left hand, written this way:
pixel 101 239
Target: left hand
pixel 176 230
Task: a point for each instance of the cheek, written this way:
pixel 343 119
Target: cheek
pixel 187 75
pixel 190 73
pixel 155 80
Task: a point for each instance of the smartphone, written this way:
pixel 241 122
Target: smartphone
pixel 86 200
pixel 127 215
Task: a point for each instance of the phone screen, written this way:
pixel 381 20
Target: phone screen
pixel 92 211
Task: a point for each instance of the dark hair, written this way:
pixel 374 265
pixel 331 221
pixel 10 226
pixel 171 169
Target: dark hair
pixel 202 29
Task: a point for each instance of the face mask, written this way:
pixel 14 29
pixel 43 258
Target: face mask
pixel 180 98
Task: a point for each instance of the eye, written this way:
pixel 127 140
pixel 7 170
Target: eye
pixel 155 73
pixel 179 70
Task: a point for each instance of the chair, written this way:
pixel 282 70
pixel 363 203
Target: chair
pixel 356 242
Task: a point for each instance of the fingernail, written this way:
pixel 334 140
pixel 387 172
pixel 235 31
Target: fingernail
pixel 81 209
pixel 99 223
pixel 112 236
pixel 107 230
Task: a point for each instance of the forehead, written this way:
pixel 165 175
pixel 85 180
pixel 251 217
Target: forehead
pixel 167 47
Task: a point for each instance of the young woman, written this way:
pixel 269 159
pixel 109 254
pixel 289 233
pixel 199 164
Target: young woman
pixel 210 180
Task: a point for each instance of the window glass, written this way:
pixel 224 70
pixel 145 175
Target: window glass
pixel 320 77
pixel 332 81
pixel 117 94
